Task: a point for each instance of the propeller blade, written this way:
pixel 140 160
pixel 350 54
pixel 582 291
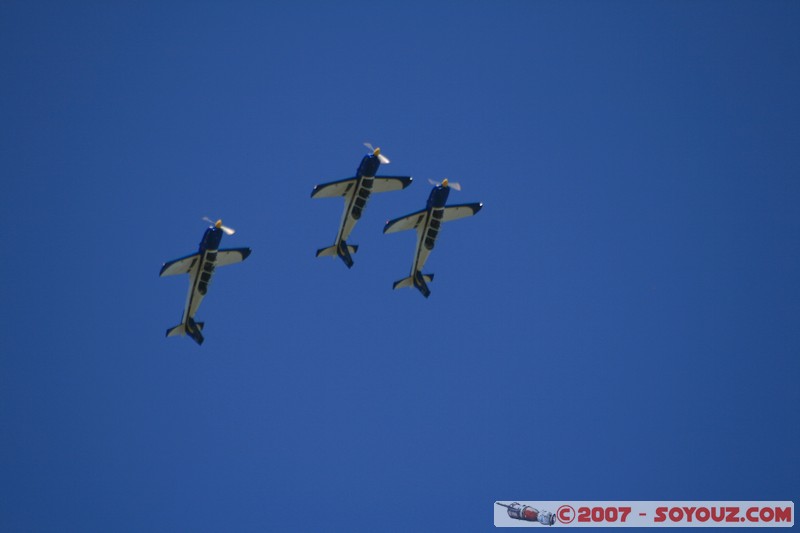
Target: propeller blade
pixel 452 184
pixel 226 229
pixel 382 158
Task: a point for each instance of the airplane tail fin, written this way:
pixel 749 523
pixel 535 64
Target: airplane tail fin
pixel 343 250
pixel 193 329
pixel 190 328
pixel 418 280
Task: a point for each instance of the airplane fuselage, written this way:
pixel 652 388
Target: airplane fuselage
pixel 365 175
pixel 201 273
pixel 429 232
pixel 368 166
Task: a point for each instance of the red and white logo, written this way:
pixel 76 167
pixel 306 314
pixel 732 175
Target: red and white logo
pixel 645 514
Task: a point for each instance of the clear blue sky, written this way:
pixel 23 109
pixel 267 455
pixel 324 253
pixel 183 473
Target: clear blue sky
pixel 620 321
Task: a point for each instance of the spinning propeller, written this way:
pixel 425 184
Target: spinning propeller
pixel 377 153
pixel 218 225
pixel 446 183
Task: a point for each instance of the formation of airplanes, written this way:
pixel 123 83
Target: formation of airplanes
pixel 356 192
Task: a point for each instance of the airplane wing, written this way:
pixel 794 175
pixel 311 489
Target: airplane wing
pixel 454 212
pixel 407 222
pixel 333 189
pixel 390 183
pixel 231 256
pixel 179 266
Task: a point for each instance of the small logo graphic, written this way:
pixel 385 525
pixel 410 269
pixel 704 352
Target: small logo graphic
pixel 528 513
pixel 649 513
pixel 565 514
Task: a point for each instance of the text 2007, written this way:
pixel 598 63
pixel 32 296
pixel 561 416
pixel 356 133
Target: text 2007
pixel 603 514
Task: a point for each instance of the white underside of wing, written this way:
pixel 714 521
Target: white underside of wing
pixel 333 189
pixel 390 183
pixel 179 266
pixel 405 223
pixel 454 212
pixel 229 257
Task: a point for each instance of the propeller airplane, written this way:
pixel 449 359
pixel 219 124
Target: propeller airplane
pixel 200 266
pixel 428 223
pixel 356 191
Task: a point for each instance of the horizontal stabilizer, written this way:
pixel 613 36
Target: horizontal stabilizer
pixel 403 283
pixel 193 330
pixel 409 281
pixel 331 250
pixel 180 329
pixel 419 280
pixel 327 252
